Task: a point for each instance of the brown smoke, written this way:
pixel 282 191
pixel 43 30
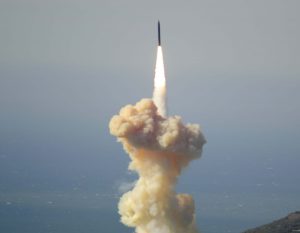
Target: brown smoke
pixel 159 148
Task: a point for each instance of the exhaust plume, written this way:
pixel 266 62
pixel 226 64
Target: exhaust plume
pixel 159 93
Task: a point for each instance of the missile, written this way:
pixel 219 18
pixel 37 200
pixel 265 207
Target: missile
pixel 158 30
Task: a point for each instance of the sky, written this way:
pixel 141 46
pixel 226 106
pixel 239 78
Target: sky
pixel 66 67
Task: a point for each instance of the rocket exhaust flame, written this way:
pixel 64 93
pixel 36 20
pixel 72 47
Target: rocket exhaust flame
pixel 159 93
pixel 159 147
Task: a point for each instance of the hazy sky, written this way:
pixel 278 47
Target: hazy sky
pixel 232 66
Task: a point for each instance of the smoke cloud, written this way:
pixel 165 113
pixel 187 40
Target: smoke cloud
pixel 159 148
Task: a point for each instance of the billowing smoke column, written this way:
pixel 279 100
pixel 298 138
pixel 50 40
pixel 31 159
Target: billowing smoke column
pixel 159 147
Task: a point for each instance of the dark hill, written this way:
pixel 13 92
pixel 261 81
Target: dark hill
pixel 289 224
